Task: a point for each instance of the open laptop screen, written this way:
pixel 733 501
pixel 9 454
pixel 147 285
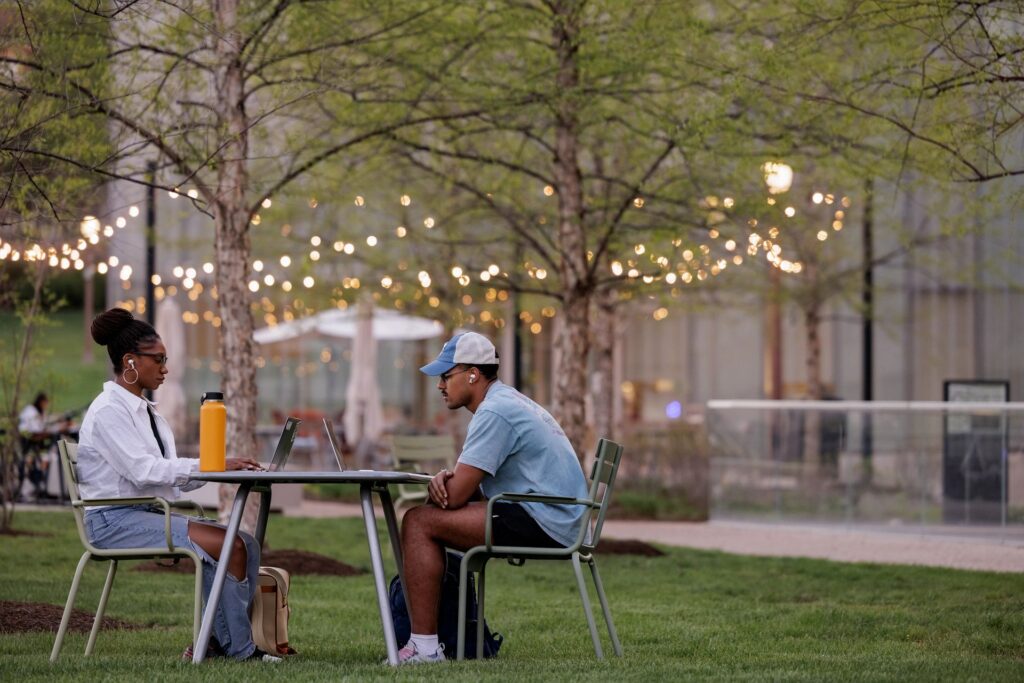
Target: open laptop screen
pixel 332 438
pixel 284 445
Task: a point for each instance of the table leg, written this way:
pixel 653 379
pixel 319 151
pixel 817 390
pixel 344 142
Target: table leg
pixel 261 517
pixel 396 537
pixel 199 649
pixel 386 622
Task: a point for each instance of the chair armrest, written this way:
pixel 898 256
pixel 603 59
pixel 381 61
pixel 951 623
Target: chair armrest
pixel 527 498
pixel 541 498
pixel 152 500
pixel 92 502
pixel 188 505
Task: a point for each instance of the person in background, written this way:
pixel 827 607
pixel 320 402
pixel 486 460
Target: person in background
pixel 126 449
pixel 35 440
pixel 512 445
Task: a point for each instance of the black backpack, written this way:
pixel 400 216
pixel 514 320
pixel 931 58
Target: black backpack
pixel 447 614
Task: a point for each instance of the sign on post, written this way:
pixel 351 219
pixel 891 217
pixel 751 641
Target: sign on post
pixel 974 454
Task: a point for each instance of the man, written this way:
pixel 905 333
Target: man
pixel 512 445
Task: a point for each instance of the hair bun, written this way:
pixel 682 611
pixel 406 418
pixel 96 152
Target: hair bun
pixel 107 325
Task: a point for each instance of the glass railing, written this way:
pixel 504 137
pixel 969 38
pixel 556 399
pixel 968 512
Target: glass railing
pixel 934 467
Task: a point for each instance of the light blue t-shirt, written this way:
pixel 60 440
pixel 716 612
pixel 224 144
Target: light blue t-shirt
pixel 524 450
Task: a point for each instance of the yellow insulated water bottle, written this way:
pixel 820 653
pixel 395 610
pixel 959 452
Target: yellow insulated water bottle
pixel 213 422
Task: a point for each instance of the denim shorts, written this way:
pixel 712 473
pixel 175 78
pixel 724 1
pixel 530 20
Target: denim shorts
pixel 138 526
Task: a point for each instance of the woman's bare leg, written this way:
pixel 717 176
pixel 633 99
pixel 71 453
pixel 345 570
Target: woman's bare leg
pixel 211 539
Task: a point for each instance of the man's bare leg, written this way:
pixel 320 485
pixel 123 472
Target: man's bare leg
pixel 426 531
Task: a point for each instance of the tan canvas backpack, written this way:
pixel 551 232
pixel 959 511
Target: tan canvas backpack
pixel 270 611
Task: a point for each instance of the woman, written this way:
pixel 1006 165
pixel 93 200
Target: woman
pixel 127 450
pixel 34 443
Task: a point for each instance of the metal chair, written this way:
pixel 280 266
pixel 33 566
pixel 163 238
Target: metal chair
pixel 69 461
pixel 475 560
pixel 410 453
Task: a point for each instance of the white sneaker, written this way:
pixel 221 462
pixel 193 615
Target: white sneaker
pixel 259 655
pixel 410 655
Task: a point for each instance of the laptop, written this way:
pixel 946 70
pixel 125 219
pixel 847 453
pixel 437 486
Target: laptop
pixel 284 445
pixel 332 437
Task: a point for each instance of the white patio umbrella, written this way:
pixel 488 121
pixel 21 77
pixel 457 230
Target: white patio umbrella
pixel 364 419
pixel 171 394
pixel 387 325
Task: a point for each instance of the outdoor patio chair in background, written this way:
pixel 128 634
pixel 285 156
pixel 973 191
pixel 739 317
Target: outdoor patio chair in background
pixel 475 560
pixel 420 453
pixel 69 461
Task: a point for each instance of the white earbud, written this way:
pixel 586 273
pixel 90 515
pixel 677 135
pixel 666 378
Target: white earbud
pixel 472 378
pixel 131 362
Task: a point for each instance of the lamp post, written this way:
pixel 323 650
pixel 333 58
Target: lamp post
pixel 150 243
pixel 867 301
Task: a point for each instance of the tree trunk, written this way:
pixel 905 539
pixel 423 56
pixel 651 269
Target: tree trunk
pixel 812 321
pixel 815 460
pixel 232 251
pixel 572 340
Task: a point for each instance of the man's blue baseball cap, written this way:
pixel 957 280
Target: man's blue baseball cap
pixel 468 348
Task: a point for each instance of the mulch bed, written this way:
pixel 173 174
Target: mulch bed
pixel 19 617
pixel 21 532
pixel 295 562
pixel 612 546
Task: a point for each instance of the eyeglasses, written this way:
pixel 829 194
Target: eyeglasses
pixel 448 375
pixel 160 358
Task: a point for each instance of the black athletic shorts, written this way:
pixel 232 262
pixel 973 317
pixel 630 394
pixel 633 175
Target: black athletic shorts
pixel 513 525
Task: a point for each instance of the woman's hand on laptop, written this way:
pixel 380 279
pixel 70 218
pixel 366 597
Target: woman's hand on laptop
pixel 232 464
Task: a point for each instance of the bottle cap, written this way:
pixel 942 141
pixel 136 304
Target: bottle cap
pixel 212 396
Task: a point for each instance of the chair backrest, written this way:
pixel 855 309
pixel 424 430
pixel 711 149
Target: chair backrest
pixel 410 450
pixel 606 466
pixel 415 453
pixel 68 451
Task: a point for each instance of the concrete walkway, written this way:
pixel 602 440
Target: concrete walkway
pixel 832 543
pixel 942 547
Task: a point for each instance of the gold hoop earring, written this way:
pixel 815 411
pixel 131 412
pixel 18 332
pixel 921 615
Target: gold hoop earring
pixel 125 379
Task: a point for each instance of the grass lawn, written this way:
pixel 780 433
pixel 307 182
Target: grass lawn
pixel 61 373
pixel 690 614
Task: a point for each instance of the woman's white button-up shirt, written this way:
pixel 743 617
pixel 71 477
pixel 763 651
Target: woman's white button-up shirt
pixel 118 456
